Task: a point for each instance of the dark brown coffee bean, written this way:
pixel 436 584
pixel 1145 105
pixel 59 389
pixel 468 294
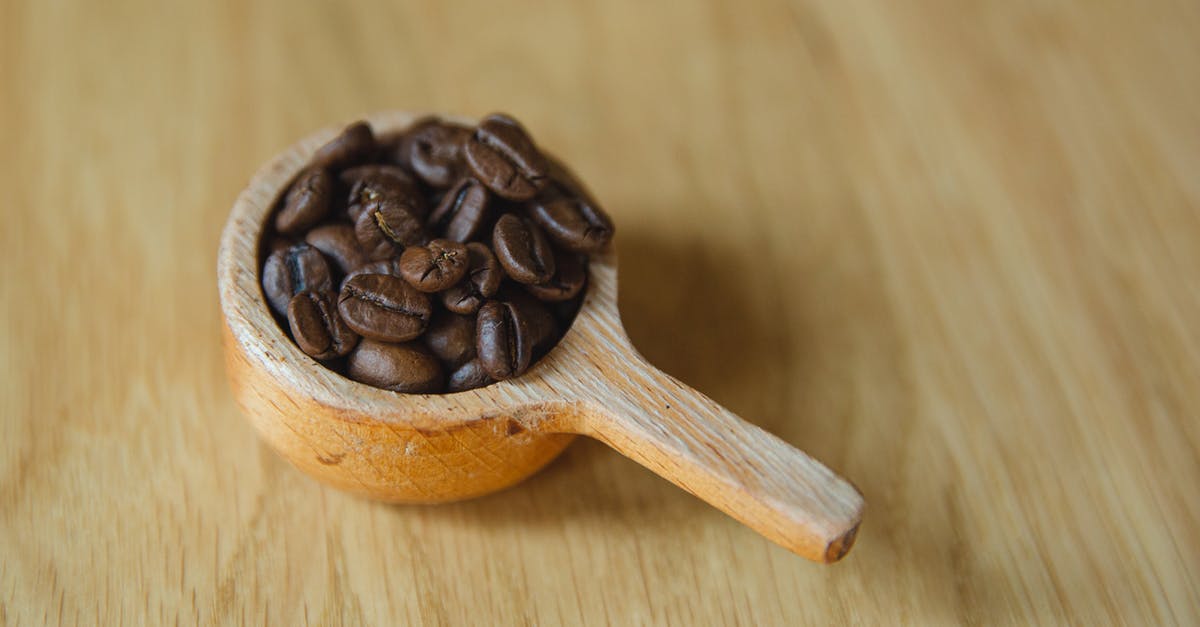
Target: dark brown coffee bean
pixel 354 145
pixel 338 242
pixel 462 213
pixel 370 184
pixel 504 158
pixel 307 201
pixel 569 277
pixel 384 308
pixel 293 270
pixel 316 326
pixel 435 266
pixel 469 376
pixel 386 227
pixel 569 214
pixel 484 275
pixel 407 368
pixel 452 338
pixel 433 150
pixel 503 340
pixel 383 266
pixel 522 250
pixel 539 320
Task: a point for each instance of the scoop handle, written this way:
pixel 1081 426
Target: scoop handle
pixel 689 439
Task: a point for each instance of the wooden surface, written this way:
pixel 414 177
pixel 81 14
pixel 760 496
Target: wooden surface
pixel 951 249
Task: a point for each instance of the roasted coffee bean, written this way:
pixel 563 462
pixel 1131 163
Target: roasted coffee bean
pixel 504 158
pixel 469 376
pixel 383 266
pixel 317 327
pixel 407 368
pixel 569 277
pixel 462 213
pixel 452 338
pixel 435 266
pixel 370 184
pixel 569 214
pixel 433 150
pixel 338 242
pixel 354 145
pixel 307 201
pixel 503 340
pixel 384 307
pixel 539 320
pixel 522 250
pixel 386 227
pixel 293 270
pixel 484 275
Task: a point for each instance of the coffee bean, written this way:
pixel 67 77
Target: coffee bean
pixel 307 201
pixel 433 150
pixel 408 368
pixel 469 376
pixel 387 226
pixel 372 183
pixel 569 214
pixel 504 158
pixel 462 213
pixel 484 275
pixel 522 250
pixel 452 338
pixel 338 242
pixel 316 326
pixel 503 340
pixel 354 145
pixel 539 319
pixel 569 277
pixel 435 266
pixel 383 266
pixel 293 270
pixel 384 308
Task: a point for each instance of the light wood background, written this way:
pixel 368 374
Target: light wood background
pixel 951 249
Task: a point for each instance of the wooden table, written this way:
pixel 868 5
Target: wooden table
pixel 951 249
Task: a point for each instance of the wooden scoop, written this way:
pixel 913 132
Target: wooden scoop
pixel 410 448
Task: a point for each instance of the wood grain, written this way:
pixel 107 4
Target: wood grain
pixel 952 250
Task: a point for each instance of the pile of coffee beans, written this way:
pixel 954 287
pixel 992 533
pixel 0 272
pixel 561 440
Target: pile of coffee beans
pixel 437 259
